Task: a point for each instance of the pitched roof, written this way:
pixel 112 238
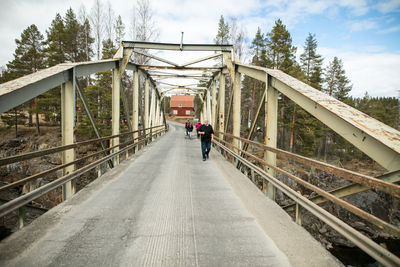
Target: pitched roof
pixel 185 100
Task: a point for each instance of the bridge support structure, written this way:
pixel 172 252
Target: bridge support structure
pixel 221 105
pixel 271 126
pixel 116 88
pixel 135 104
pixel 236 108
pixel 67 133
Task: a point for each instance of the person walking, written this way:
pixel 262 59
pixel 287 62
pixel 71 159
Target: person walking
pixel 198 124
pixel 186 126
pixel 207 137
pixel 190 129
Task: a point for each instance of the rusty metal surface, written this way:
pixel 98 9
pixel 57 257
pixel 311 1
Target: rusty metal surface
pixel 30 155
pixel 392 229
pixel 366 124
pixel 41 174
pixel 359 178
pixel 370 247
pixel 25 199
pixel 15 84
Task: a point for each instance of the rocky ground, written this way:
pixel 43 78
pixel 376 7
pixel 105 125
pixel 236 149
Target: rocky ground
pixel 27 141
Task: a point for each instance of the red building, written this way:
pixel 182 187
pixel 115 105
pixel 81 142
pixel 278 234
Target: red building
pixel 182 105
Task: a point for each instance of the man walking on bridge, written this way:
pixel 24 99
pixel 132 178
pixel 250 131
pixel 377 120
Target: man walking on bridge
pixel 207 137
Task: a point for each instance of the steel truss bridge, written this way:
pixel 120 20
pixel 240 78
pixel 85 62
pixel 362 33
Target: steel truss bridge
pixel 377 140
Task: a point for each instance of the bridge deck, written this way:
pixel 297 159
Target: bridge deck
pixel 166 207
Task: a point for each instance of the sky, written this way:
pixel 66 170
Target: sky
pixel 364 34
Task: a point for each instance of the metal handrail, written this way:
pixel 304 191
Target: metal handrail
pixel 390 228
pixel 25 199
pixel 366 244
pixel 31 155
pixel 359 178
pixel 35 176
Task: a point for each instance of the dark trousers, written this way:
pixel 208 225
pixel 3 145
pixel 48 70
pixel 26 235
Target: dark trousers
pixel 205 148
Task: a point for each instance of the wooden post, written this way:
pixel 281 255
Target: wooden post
pixel 67 132
pixel 236 109
pixel 221 105
pixel 271 126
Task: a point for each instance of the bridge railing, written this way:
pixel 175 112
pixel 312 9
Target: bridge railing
pixel 252 165
pixel 18 203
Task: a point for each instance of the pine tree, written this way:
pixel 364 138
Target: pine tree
pixel 73 46
pixel 305 128
pixel 223 35
pixel 98 97
pixel 28 58
pixel 336 82
pixel 281 55
pixel 280 52
pixel 56 42
pixel 336 85
pixel 311 63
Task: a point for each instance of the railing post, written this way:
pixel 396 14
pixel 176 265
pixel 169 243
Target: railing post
pixel 116 87
pixel 146 106
pixel 67 133
pixel 271 126
pixel 157 117
pixel 204 109
pixel 208 106
pixel 135 104
pixel 221 105
pixel 21 216
pixel 213 103
pixel 152 111
pixel 236 109
pixel 298 214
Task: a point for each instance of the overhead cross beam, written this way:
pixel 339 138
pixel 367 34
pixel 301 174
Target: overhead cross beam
pixel 177 47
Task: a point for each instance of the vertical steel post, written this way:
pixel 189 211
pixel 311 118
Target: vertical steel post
pixel 204 109
pixel 146 105
pixel 157 115
pixel 153 107
pixel 21 216
pixel 236 109
pixel 213 103
pixel 135 104
pixel 208 106
pixel 271 126
pixel 116 87
pixel 221 105
pixel 67 132
pixel 298 213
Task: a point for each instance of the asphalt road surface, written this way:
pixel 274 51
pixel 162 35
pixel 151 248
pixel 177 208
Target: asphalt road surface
pixel 163 207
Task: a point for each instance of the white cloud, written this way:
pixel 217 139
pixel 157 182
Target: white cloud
pixel 391 29
pixel 375 73
pixel 363 25
pixel 388 6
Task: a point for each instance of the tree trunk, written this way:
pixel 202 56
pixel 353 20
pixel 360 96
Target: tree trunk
pixel 30 121
pixel 16 123
pixel 292 128
pixel 37 124
pixel 283 123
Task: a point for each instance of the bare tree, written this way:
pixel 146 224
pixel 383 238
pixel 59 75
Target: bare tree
pixel 237 34
pixel 143 26
pixel 109 21
pixel 96 18
pixel 119 28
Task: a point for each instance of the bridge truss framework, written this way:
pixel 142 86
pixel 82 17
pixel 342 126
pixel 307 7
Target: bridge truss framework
pixel 375 139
